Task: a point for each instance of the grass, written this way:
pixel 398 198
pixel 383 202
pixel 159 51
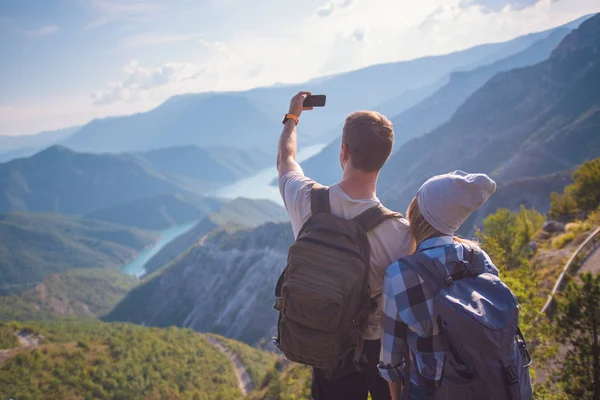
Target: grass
pixel 91 359
pixel 291 383
pixel 8 339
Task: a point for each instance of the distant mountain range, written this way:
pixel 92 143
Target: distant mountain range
pixel 23 146
pixel 63 181
pixel 224 285
pixel 522 123
pixel 203 120
pixel 250 119
pixel 439 106
pixel 34 246
pixel 112 186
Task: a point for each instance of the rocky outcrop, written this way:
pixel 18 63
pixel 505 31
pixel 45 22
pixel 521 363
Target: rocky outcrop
pixel 224 285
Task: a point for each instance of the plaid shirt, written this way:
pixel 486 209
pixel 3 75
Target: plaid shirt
pixel 409 317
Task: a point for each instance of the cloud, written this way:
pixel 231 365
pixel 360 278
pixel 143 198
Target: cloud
pixel 331 7
pixel 108 11
pixel 44 31
pixel 141 80
pixel 151 39
pixel 358 34
pixel 498 5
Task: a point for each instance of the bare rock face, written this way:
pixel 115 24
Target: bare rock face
pixel 224 285
pixel 553 227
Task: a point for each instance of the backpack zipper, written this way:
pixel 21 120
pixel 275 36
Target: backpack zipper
pixel 332 246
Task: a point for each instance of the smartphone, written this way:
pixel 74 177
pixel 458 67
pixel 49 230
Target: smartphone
pixel 317 100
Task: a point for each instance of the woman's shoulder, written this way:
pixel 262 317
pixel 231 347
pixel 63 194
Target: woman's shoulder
pixel 402 274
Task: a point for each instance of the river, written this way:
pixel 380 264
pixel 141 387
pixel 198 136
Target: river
pixel 259 186
pixel 254 187
pixel 136 267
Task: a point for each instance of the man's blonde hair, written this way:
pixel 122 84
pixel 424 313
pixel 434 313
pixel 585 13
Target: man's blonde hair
pixel 369 138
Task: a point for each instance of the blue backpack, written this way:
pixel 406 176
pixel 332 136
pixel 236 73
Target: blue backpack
pixel 486 354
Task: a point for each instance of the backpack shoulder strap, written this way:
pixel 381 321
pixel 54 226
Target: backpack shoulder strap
pixel 319 199
pixel 426 268
pixel 374 216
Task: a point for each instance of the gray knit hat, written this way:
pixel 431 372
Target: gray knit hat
pixel 446 201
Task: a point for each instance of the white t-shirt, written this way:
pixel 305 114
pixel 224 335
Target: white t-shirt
pixel 389 241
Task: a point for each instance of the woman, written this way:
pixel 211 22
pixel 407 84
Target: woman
pixel 450 325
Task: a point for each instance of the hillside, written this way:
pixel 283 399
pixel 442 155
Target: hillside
pixel 63 181
pixel 522 123
pixel 224 285
pixel 533 192
pixel 76 292
pixel 238 214
pixel 33 246
pixel 88 359
pixel 436 108
pixel 158 212
pixel 439 107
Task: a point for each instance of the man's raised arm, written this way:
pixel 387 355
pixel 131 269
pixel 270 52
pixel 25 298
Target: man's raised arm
pixel 288 146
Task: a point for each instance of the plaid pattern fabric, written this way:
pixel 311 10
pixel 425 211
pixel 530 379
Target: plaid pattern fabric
pixel 409 317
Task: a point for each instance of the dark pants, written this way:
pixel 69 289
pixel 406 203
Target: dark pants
pixel 354 385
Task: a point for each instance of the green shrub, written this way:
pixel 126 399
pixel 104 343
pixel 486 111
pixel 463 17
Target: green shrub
pixel 563 207
pixel 561 240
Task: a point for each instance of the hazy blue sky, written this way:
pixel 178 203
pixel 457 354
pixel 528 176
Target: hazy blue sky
pixel 64 62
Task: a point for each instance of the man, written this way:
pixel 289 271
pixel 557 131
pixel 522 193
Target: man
pixel 367 143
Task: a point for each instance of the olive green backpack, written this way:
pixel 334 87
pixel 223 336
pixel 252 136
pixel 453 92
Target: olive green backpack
pixel 323 293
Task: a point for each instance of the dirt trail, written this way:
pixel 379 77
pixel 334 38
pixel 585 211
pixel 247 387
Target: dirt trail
pixel 244 382
pixel 591 263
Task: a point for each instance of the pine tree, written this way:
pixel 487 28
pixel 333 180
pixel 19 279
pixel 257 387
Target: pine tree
pixel 578 327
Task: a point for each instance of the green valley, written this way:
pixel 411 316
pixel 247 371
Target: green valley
pixel 34 246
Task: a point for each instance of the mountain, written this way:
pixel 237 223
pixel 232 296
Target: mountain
pixel 250 119
pixel 73 293
pixel 33 246
pixel 158 212
pixel 203 120
pixel 240 213
pixel 63 181
pixel 223 285
pixel 522 123
pixel 37 141
pixel 205 168
pixel 439 107
pixel 91 359
pixel 442 102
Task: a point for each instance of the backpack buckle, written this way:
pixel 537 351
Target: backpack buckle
pixel 512 375
pixel 277 304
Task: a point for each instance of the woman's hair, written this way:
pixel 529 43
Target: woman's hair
pixel 422 230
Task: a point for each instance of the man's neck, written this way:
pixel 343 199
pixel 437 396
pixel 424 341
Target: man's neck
pixel 358 184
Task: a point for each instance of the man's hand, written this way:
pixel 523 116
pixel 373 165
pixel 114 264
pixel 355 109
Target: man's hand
pixel 296 106
pixel 286 155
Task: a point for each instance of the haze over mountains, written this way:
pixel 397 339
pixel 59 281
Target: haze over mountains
pixel 73 214
pixel 522 123
pixel 439 106
pixel 249 119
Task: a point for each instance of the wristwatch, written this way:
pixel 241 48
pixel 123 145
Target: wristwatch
pixel 290 116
